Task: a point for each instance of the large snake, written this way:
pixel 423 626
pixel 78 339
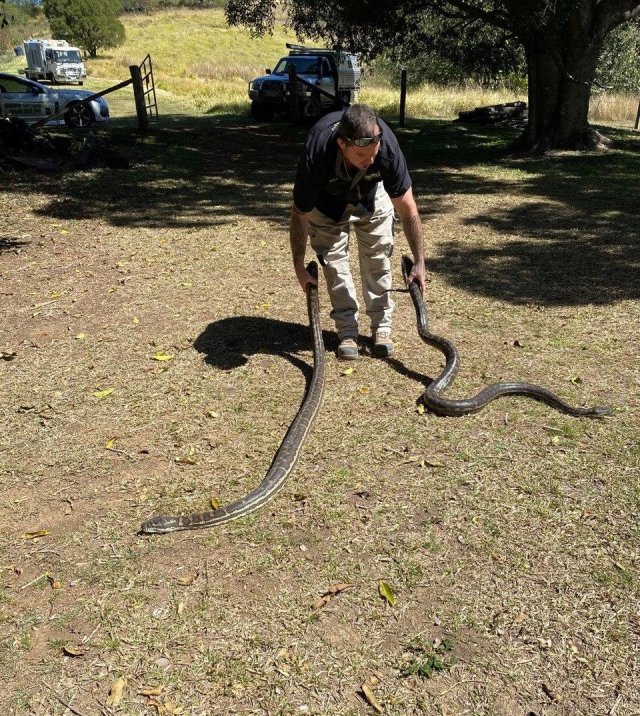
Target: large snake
pixel 432 397
pixel 289 450
pixel 287 455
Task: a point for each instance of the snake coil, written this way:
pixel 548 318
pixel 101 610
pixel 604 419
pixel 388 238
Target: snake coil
pixel 432 397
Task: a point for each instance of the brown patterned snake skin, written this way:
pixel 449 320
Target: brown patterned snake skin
pixel 287 455
pixel 437 403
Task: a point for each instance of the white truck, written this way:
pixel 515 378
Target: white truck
pixel 54 61
pixel 327 79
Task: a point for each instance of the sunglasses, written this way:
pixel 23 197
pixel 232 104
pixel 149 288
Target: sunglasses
pixel 364 141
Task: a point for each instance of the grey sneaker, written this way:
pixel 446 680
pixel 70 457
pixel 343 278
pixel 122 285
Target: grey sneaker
pixel 382 343
pixel 348 349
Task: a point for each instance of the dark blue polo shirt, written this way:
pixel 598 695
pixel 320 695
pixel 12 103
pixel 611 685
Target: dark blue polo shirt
pixel 322 181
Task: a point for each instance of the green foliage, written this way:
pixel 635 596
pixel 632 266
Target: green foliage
pixel 23 19
pixel 619 65
pixel 426 658
pixel 90 24
pixel 453 51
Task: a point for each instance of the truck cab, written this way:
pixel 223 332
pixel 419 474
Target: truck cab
pixel 54 61
pixel 327 79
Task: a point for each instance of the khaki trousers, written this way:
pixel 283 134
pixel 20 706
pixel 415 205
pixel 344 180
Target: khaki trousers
pixel 374 234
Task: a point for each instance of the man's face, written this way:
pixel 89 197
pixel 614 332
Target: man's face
pixel 359 157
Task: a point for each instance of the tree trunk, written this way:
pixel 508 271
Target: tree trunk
pixel 561 63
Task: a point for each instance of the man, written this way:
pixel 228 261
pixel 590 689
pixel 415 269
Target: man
pixel 352 172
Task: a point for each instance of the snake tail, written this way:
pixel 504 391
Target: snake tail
pixel 285 458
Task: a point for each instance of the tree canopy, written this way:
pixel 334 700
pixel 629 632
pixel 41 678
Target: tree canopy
pixel 90 24
pixel 562 41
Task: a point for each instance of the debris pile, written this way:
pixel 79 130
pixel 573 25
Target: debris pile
pixel 508 113
pixel 22 147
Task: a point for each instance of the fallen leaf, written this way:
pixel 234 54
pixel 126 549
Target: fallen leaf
pixel 103 393
pixel 55 583
pixel 340 587
pixel 110 443
pixel 188 579
pixel 370 696
pixel 187 460
pixel 215 503
pixel 212 414
pixel 151 690
pixel 576 380
pixel 420 409
pixel 364 389
pixel 72 651
pixel 180 608
pixel 551 693
pixel 347 371
pixel 523 616
pixel 80 336
pixel 334 590
pixel 35 535
pixel 388 593
pixel 116 691
pixel 135 321
pixel 319 603
pixel 162 356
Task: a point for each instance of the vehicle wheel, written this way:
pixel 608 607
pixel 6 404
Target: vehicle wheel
pixel 78 116
pixel 261 112
pixel 80 83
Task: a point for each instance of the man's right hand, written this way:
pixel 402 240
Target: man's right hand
pixel 304 277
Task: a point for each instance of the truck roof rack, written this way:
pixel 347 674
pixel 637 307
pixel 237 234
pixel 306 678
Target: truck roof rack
pixel 313 50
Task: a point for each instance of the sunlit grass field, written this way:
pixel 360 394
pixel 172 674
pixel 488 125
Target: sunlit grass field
pixel 201 65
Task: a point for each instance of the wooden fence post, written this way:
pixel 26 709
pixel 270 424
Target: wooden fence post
pixel 637 124
pixel 138 94
pixel 403 95
pixel 294 104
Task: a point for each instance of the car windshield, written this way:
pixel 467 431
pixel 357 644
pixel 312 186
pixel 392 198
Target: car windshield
pixel 67 55
pixel 303 65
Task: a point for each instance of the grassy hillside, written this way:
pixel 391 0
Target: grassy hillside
pixel 203 65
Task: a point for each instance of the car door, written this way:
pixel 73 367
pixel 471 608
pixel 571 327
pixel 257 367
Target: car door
pixel 24 100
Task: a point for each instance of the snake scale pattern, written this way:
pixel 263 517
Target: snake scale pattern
pixel 441 405
pixel 287 454
pixel 289 450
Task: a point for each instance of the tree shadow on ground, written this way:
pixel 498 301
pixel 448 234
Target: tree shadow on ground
pixel 572 237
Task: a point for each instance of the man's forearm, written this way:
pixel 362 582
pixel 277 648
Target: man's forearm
pixel 298 232
pixel 412 227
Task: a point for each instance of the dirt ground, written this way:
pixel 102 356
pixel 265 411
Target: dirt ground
pixel 154 351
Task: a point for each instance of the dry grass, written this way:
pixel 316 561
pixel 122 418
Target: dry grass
pixel 512 532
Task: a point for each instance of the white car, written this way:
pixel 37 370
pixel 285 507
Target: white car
pixel 31 101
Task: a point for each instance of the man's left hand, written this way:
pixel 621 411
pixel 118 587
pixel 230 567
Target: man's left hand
pixel 417 274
